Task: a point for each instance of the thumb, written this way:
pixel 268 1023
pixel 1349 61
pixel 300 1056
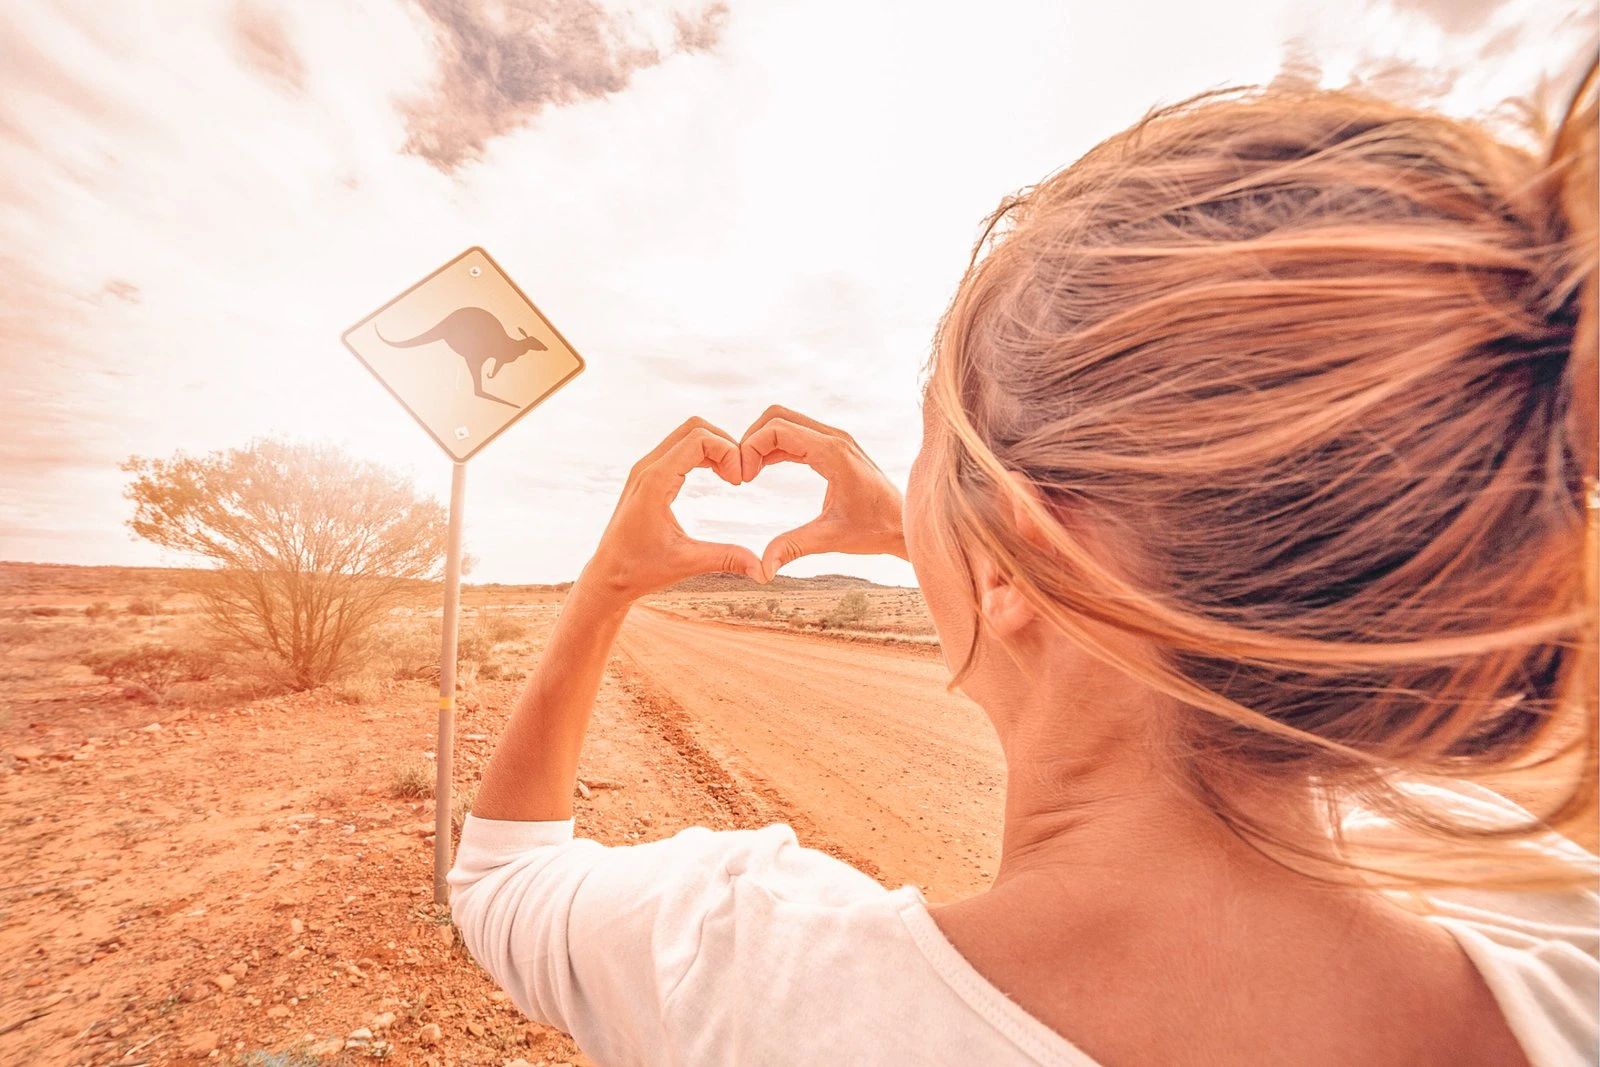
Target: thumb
pixel 790 546
pixel 708 556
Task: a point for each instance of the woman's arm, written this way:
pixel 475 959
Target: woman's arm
pixel 531 775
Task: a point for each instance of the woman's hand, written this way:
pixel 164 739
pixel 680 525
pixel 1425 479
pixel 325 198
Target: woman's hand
pixel 861 511
pixel 644 549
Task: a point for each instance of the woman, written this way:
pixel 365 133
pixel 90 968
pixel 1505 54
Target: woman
pixel 1251 507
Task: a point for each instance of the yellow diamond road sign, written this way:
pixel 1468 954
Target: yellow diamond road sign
pixel 465 351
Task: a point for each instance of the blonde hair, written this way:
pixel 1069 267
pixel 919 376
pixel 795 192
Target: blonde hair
pixel 1328 366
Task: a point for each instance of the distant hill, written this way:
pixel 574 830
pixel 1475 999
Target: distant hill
pixel 723 582
pixel 23 581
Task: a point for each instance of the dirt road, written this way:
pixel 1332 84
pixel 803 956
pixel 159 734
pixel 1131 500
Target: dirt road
pixel 859 744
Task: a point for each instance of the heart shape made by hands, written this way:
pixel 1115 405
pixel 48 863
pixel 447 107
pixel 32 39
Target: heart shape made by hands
pixel 780 498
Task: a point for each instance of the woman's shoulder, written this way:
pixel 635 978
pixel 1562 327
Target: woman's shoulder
pixel 1538 951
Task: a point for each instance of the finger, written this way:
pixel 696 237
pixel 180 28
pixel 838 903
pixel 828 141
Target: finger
pixel 707 557
pixel 777 411
pixel 700 447
pixel 817 450
pixel 787 547
pixel 689 426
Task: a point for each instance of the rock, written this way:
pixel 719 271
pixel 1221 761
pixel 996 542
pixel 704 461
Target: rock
pixel 278 1011
pixel 584 791
pixel 476 1029
pixel 381 1021
pixel 519 1062
pixel 446 935
pixel 429 1035
pixel 360 1034
pixel 602 783
pixel 27 753
pixel 153 728
pixel 202 1044
pixel 323 1049
pixel 297 927
pixel 298 952
pixel 191 993
pixel 239 970
pixel 225 982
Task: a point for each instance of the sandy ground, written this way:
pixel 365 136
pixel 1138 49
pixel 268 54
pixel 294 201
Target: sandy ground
pixel 236 882
pixel 862 742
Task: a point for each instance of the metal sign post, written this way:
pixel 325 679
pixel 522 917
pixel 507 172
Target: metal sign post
pixel 450 625
pixel 467 354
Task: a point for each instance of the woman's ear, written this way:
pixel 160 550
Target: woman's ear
pixel 1003 606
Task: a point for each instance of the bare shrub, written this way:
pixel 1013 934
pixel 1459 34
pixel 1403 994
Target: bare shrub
pixel 156 668
pixel 499 627
pixel 365 687
pixel 46 611
pixel 100 609
pixel 412 782
pixel 851 609
pixel 141 606
pixel 310 548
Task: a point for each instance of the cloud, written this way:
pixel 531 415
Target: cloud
pixel 1453 16
pixel 500 67
pixel 263 45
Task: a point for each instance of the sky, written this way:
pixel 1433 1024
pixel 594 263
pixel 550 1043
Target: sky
pixel 722 206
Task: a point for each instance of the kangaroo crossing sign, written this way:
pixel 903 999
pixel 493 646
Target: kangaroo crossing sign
pixel 465 351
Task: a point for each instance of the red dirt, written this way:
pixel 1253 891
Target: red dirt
pixel 263 836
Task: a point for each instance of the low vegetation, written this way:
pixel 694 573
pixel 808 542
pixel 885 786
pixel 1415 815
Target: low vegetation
pixel 155 667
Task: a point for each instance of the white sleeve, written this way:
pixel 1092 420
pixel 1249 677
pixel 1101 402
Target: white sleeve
pixel 594 939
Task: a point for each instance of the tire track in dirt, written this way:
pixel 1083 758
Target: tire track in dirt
pixel 859 747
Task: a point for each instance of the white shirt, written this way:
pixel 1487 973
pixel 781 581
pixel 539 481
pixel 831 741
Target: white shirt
pixel 743 947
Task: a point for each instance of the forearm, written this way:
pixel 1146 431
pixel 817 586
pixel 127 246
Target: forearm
pixel 531 775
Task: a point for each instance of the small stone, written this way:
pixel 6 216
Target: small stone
pixel 429 1034
pixel 225 982
pixel 298 952
pixel 153 728
pixel 278 1011
pixel 360 1034
pixel 518 1062
pixel 382 1021
pixel 476 1029
pixel 118 1030
pixel 584 791
pixel 297 927
pixel 331 1047
pixel 191 993
pixel 446 935
pixel 27 753
pixel 603 783
pixel 202 1044
pixel 239 970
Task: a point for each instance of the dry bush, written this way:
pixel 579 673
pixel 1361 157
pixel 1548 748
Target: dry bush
pixel 412 782
pixel 155 667
pixel 140 606
pixel 850 610
pixel 100 609
pixel 366 687
pixel 499 627
pixel 310 548
pixel 45 611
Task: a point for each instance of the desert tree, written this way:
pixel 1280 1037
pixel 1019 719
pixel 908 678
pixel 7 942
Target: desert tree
pixel 304 547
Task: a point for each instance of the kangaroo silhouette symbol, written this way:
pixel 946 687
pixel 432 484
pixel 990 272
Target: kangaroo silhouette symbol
pixel 476 336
